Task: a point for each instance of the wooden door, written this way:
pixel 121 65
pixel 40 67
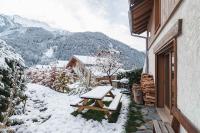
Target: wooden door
pixel 166 79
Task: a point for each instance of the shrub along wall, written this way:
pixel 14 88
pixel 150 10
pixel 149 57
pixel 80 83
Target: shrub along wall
pixel 134 76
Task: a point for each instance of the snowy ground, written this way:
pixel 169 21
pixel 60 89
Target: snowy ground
pixel 48 111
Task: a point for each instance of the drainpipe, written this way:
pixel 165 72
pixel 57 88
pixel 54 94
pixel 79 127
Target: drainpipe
pixel 147 57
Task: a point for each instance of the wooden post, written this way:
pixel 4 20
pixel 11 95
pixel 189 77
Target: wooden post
pixel 84 103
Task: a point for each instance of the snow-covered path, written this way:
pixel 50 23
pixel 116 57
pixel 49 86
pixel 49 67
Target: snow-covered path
pixel 48 111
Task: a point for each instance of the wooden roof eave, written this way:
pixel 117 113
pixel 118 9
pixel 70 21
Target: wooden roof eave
pixel 139 16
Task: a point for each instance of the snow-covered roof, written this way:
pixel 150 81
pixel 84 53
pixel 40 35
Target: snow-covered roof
pixel 59 63
pixel 41 67
pixel 87 60
pixel 96 72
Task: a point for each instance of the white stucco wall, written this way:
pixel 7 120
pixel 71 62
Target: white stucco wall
pixel 188 55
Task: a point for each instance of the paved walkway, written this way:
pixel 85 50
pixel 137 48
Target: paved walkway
pixel 149 114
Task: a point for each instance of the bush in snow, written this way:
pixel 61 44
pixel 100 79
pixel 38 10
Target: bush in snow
pixel 12 82
pixel 62 80
pixel 57 79
pixel 133 76
pixel 77 88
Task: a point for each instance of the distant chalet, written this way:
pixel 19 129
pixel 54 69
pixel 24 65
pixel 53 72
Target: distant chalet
pixel 86 66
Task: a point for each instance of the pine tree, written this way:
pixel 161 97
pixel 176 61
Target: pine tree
pixel 12 90
pixel 12 82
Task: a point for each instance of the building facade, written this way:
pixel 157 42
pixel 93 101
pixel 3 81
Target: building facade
pixel 173 57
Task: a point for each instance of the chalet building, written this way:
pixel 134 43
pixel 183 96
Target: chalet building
pixel 173 57
pixel 86 67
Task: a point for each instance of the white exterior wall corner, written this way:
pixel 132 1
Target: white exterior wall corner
pixel 188 59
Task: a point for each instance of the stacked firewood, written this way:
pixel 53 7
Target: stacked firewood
pixel 148 89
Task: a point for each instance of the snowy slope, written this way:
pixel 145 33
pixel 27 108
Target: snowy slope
pixel 51 113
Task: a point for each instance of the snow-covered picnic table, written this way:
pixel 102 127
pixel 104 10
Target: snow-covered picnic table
pixel 94 100
pixel 97 93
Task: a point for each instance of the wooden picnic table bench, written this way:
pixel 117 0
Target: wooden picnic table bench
pixel 97 95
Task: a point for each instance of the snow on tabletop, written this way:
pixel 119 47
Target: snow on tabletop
pixel 98 92
pixel 48 111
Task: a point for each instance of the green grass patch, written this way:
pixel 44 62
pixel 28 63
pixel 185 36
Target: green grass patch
pixel 99 115
pixel 135 118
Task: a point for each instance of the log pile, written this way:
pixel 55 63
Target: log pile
pixel 148 89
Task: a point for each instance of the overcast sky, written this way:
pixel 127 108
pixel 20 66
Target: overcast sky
pixel 107 16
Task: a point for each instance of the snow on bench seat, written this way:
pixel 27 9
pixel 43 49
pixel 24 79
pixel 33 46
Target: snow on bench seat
pixel 97 93
pixel 114 104
pixel 77 103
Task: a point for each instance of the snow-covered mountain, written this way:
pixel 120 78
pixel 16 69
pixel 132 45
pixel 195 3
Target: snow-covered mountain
pixel 40 44
pixel 17 21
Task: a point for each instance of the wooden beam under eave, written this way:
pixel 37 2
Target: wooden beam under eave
pixel 144 22
pixel 147 5
pixel 142 4
pixel 142 18
pixel 140 13
pixel 140 29
pixel 140 32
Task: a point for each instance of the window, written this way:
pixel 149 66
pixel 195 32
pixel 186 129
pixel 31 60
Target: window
pixel 157 7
